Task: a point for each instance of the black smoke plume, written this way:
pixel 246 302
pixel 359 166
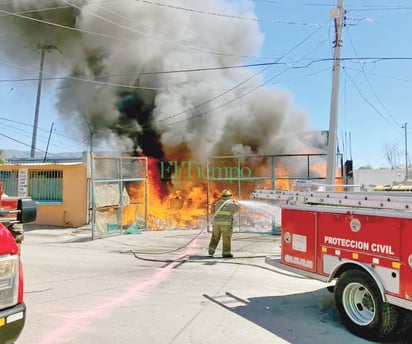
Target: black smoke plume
pixel 109 53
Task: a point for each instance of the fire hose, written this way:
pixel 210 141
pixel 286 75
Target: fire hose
pixel 186 244
pixel 217 261
pixel 188 259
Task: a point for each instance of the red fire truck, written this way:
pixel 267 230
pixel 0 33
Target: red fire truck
pixel 13 213
pixel 360 240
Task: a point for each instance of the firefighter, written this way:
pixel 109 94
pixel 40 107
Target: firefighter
pixel 225 208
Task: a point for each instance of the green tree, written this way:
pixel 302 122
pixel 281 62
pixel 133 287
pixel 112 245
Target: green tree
pixel 2 158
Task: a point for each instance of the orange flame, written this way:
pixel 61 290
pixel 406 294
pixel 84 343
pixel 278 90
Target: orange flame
pixel 169 205
pixel 182 199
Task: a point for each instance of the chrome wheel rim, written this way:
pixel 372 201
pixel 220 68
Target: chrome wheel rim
pixel 359 304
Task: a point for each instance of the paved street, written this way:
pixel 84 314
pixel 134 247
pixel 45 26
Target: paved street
pixel 83 291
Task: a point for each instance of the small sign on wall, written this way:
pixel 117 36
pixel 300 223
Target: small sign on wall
pixel 22 192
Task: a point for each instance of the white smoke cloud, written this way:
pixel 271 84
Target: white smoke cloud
pixel 120 42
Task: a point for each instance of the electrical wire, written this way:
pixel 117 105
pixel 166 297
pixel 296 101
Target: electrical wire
pixel 37 10
pixel 367 100
pixel 71 4
pixel 25 132
pixel 110 84
pixel 236 86
pixel 92 81
pixel 162 41
pixel 23 143
pixel 295 66
pixel 192 10
pixel 369 83
pixel 290 65
pixel 383 75
pixel 362 8
pixel 15 14
pixel 114 84
pixel 175 71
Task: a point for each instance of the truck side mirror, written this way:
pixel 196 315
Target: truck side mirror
pixel 27 210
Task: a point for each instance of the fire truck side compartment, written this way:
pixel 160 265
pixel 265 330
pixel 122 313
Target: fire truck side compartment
pixel 323 240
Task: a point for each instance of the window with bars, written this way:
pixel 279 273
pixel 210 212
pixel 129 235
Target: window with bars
pixel 10 182
pixel 46 185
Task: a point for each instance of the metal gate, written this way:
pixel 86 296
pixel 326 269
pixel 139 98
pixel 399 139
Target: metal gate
pixel 119 192
pixel 243 175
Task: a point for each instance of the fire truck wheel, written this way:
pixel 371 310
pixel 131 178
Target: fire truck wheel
pixel 361 307
pixel 18 232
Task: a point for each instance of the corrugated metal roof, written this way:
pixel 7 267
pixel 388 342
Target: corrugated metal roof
pixel 42 162
pixel 9 164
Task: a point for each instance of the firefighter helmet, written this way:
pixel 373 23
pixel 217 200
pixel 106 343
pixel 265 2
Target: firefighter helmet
pixel 226 193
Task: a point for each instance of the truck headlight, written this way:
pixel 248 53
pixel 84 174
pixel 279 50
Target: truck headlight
pixel 9 277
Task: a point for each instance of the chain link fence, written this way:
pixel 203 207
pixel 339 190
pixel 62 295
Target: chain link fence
pixel 119 195
pixel 243 175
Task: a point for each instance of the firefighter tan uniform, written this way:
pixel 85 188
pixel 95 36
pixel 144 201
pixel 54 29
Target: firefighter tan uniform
pixel 225 208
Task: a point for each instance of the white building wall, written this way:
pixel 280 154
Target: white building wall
pixel 370 177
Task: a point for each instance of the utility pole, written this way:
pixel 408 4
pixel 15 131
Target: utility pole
pixel 36 113
pixel 48 142
pixel 406 152
pixel 337 15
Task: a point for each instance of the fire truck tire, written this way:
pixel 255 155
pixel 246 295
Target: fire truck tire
pixel 405 323
pixel 362 309
pixel 18 232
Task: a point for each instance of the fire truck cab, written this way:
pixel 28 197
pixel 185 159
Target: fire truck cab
pixel 360 240
pixel 13 213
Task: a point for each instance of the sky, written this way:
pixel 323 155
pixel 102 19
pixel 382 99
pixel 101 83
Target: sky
pixel 222 77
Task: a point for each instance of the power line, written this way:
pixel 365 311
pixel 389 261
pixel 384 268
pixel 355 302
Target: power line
pixel 362 8
pixel 366 100
pixel 118 37
pixel 27 132
pixel 197 49
pixel 37 10
pixel 290 65
pixel 238 97
pixel 143 74
pixel 23 143
pixel 16 14
pixel 20 14
pixel 93 81
pixel 180 8
pixel 192 10
pixel 369 83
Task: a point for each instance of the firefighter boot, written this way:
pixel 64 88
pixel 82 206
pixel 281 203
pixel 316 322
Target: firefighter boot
pixel 227 242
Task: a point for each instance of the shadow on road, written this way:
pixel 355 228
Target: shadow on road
pixel 304 318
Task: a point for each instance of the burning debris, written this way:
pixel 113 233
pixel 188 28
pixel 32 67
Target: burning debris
pixel 150 79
